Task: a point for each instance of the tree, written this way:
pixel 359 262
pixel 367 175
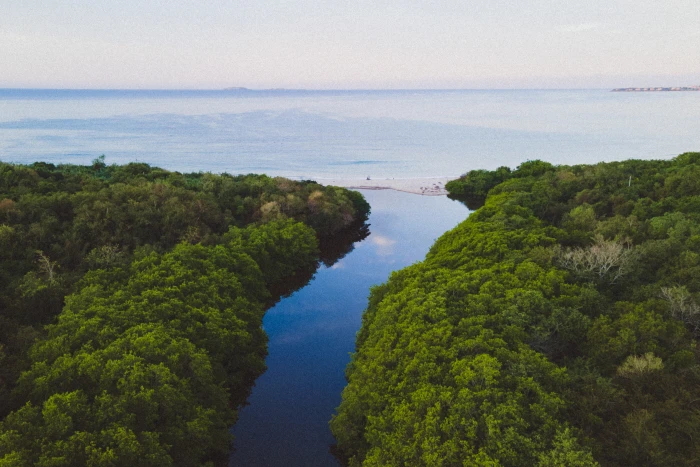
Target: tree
pixel 605 261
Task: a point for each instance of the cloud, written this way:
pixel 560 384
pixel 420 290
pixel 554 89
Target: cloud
pixel 382 241
pixel 385 245
pixel 582 27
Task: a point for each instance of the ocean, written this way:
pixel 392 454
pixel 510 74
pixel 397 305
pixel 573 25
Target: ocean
pixel 345 134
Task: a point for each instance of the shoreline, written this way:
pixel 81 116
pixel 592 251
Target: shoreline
pixel 429 186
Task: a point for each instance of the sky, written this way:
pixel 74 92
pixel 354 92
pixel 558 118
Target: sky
pixel 359 44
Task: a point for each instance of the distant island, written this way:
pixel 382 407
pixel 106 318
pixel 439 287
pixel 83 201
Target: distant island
pixel 655 89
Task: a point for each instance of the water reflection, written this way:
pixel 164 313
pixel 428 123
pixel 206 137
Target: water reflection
pixel 333 249
pixel 385 245
pixel 471 202
pixel 312 331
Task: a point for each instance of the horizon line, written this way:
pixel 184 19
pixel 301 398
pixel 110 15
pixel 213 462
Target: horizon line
pixel 279 89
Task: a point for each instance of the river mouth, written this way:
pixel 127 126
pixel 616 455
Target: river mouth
pixel 312 332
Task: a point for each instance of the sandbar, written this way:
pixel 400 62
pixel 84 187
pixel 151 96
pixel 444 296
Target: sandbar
pixel 434 186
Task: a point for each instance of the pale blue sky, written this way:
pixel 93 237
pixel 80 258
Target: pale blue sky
pixel 376 44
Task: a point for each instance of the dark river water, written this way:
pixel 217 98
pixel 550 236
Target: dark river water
pixel 312 333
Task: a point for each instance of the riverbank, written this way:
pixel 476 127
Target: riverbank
pixel 434 186
pixel 312 333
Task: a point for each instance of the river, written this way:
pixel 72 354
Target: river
pixel 312 333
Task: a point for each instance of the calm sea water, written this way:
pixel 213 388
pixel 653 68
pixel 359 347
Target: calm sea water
pixel 345 134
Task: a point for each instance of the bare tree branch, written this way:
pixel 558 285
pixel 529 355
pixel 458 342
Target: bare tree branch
pixel 605 260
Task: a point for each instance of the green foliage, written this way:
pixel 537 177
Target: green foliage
pixel 477 183
pixel 155 284
pixel 566 452
pixel 450 365
pixel 277 247
pixel 145 367
pixel 557 325
pixel 533 168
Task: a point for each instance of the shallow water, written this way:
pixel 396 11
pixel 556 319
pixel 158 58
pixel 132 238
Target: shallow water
pixel 345 134
pixel 313 331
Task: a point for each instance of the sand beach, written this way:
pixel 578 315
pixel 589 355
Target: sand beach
pixel 434 186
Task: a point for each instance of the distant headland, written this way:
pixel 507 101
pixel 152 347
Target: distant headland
pixel 655 89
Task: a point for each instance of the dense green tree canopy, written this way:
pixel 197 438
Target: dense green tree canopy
pixel 557 325
pixel 152 286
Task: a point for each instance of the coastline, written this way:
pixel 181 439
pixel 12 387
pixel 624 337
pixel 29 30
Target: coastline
pixel 429 186
pixel 659 89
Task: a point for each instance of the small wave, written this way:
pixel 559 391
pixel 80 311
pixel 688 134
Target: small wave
pixel 358 162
